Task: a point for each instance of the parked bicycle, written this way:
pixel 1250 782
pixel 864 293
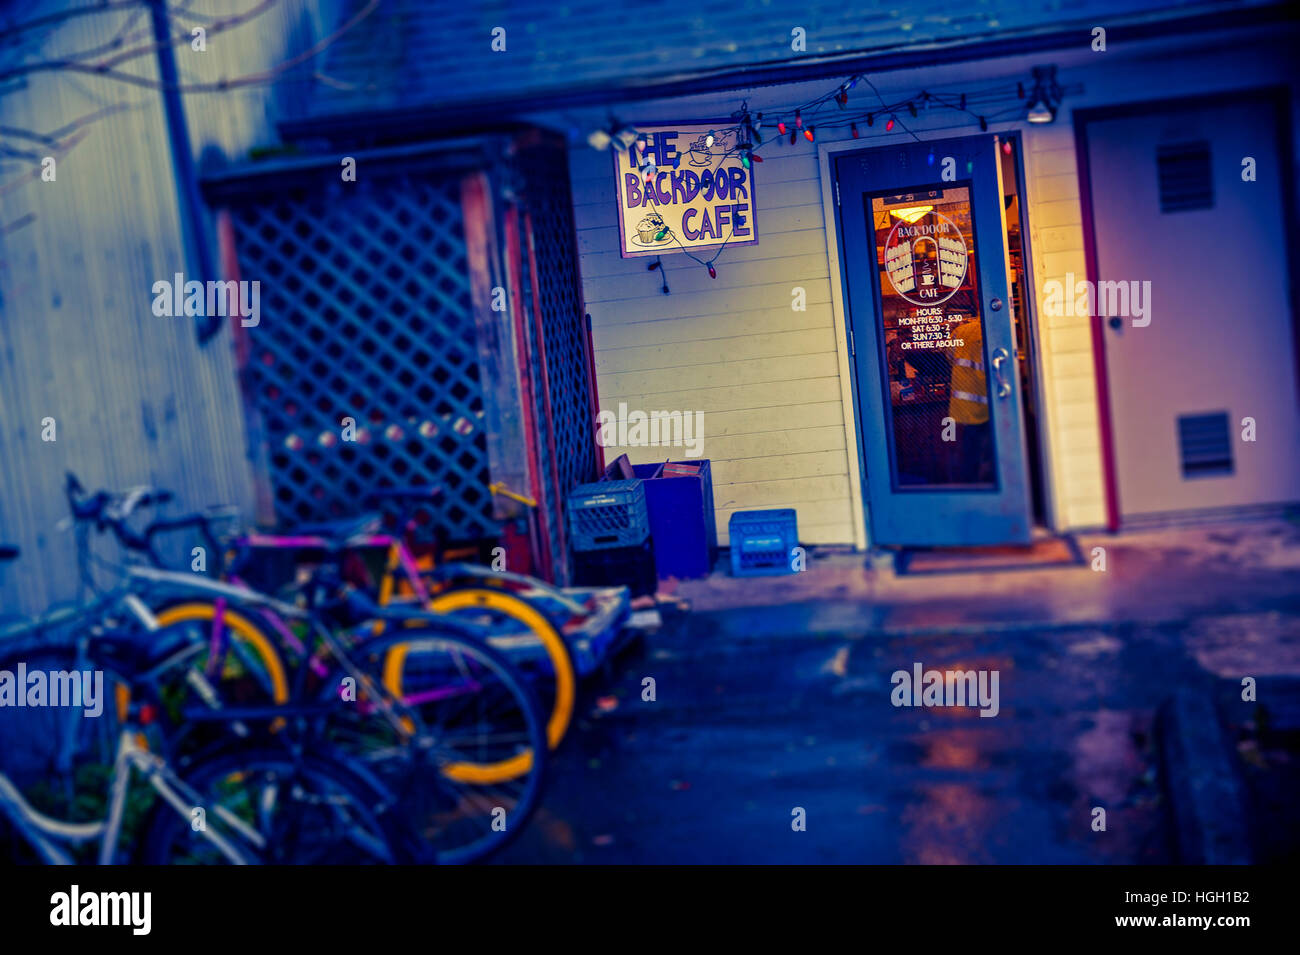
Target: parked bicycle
pixel 497 601
pixel 72 778
pixel 462 748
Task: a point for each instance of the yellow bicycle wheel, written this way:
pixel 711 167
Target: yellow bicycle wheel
pixel 241 629
pixel 535 626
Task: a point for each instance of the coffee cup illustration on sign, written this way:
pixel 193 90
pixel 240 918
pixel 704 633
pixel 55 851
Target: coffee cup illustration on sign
pixel 701 155
pixel 926 257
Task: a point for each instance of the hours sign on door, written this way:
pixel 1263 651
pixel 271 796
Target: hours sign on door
pixel 927 266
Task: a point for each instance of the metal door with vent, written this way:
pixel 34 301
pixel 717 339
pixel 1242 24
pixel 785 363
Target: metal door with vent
pixel 1220 345
pixel 925 265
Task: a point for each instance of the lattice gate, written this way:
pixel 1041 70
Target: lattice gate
pixel 372 329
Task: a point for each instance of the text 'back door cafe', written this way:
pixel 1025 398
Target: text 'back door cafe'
pixel 691 189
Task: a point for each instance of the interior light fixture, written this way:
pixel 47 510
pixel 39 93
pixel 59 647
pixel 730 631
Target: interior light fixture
pixel 1040 112
pixel 910 214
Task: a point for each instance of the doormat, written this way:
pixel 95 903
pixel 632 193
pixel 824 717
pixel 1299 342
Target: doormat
pixel 1060 551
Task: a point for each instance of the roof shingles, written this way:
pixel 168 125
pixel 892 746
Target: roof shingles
pixel 429 53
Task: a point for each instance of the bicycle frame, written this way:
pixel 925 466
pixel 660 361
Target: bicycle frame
pixel 399 557
pixel 121 597
pixel 275 612
pixel 401 566
pixel 45 834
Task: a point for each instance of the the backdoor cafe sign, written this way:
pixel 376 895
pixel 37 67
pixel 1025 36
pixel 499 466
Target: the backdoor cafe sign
pixel 699 197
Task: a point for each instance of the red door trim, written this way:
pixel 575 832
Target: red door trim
pixel 1109 473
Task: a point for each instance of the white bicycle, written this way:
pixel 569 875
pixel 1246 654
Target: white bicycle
pixel 70 778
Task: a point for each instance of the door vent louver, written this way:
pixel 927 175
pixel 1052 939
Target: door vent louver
pixel 1204 444
pixel 1186 178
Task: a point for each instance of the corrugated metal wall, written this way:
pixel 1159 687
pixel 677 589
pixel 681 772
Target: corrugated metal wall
pixel 136 400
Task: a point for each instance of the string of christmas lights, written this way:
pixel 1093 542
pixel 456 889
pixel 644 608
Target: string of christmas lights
pixel 804 120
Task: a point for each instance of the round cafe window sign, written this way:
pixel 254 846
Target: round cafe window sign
pixel 926 257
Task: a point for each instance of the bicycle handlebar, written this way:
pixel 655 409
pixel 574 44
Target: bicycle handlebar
pixel 108 508
pixel 111 511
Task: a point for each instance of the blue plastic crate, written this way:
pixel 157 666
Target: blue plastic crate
pixel 607 514
pixel 762 542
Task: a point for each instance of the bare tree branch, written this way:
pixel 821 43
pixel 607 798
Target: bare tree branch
pixel 22 154
pixel 62 150
pixel 255 79
pixel 184 36
pixel 62 140
pixel 13 132
pixel 119 39
pixel 19 223
pixel 105 67
pixel 11 34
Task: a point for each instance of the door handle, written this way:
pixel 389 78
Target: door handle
pixel 1000 355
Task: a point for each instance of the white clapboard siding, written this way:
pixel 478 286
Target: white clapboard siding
pixel 755 397
pixel 780 245
pixel 732 348
pixel 734 276
pixel 780 468
pixel 765 376
pixel 779 372
pixel 703 302
pixel 708 327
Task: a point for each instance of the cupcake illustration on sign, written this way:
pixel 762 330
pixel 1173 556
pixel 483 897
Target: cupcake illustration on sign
pixel 925 256
pixel 651 231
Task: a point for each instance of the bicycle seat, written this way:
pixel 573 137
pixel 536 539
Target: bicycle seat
pixel 340 529
pixel 8 552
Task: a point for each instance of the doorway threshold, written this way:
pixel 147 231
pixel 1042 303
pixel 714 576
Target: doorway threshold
pixel 1057 550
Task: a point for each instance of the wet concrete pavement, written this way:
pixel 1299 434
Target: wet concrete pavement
pixel 760 711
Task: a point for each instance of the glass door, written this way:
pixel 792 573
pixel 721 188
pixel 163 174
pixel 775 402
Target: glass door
pixel 925 264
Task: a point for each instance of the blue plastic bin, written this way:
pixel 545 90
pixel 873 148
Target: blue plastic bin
pixel 762 542
pixel 607 514
pixel 681 519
